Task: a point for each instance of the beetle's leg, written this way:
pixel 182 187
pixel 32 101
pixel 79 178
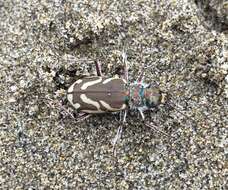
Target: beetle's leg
pixel 141 110
pixel 117 137
pixel 98 68
pixel 125 116
pixel 124 57
pixel 155 128
pixel 83 116
pixel 141 76
pixel 142 114
pixel 119 131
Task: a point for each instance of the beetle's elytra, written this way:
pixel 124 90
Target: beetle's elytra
pixel 98 94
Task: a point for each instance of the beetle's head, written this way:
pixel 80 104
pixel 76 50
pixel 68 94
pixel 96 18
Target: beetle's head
pixel 154 97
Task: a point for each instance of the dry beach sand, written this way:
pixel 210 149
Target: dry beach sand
pixel 46 45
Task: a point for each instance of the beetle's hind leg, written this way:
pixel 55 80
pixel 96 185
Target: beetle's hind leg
pixel 98 69
pixel 119 130
pixel 116 138
pixel 155 128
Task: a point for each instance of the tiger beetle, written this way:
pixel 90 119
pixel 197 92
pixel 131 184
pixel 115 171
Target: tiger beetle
pixel 102 94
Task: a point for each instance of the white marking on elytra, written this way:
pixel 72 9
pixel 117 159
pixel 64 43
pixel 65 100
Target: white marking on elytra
pixel 90 83
pixel 70 98
pixel 108 80
pixel 70 90
pixel 108 107
pixel 87 100
pixel 78 81
pixel 70 95
pixel 77 105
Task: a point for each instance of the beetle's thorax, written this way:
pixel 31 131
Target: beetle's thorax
pixel 136 95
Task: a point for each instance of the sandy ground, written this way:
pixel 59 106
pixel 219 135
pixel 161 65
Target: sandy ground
pixel 47 45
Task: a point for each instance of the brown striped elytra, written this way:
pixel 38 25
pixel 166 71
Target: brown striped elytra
pixel 98 94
